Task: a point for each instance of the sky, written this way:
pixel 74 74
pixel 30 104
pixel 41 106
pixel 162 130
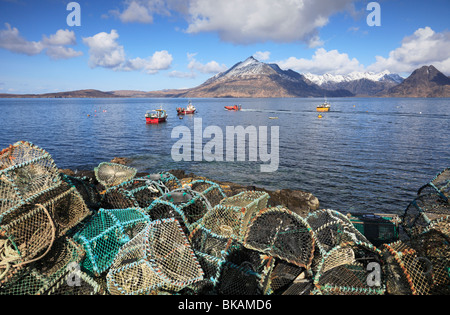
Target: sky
pixel 147 45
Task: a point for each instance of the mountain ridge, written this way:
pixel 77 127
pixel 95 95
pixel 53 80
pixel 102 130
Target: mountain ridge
pixel 252 78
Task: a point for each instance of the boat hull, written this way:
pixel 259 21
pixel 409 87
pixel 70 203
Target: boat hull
pixel 232 108
pixel 155 120
pixel 185 112
pixel 323 109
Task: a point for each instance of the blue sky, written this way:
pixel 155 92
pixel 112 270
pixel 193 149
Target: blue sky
pixel 170 44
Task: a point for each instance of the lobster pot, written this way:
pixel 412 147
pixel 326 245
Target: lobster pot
pixel 250 202
pixel 211 191
pixel 226 221
pixel 162 209
pixel 331 229
pixel 421 264
pixel 281 233
pixel 75 282
pixel 112 174
pixel 138 193
pixel 165 179
pixel 283 276
pixel 159 258
pixel 440 184
pixel 26 235
pixel 86 189
pixel 422 211
pixel 350 269
pixel 40 277
pixel 106 233
pixel 66 207
pixel 26 171
pixel 245 272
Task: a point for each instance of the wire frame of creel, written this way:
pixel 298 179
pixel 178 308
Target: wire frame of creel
pixel 245 272
pixel 331 228
pixel 26 235
pixel 279 232
pixel 283 276
pixel 167 179
pixel 138 193
pixel 112 174
pixel 26 171
pixel 66 207
pixel 423 210
pixel 86 188
pixel 40 277
pixel 352 268
pixel 250 202
pixel 421 265
pixel 440 184
pixel 213 192
pixel 225 221
pixel 159 258
pixel 104 235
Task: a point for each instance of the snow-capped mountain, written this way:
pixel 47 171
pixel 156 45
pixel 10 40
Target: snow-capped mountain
pixel 354 76
pixel 359 83
pixel 252 78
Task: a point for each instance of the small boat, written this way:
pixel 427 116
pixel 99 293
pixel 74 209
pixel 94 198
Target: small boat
pixel 190 109
pixel 235 107
pixel 273 117
pixel 325 107
pixel 156 116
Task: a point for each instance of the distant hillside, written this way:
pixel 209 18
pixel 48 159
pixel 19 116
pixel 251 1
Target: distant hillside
pixel 71 94
pixel 252 78
pixel 426 81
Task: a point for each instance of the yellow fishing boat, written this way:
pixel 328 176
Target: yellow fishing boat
pixel 325 107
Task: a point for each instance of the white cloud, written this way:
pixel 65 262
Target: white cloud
pixel 424 47
pixel 11 40
pixel 161 60
pixel 262 55
pixel 211 67
pixel 136 12
pixel 54 45
pixel 106 52
pixel 322 62
pixel 246 22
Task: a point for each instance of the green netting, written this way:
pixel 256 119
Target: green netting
pixel 158 258
pixel 106 233
pixel 26 171
pixel 279 232
pixel 139 192
pixel 423 210
pixel 440 184
pixel 112 174
pixel 347 270
pixel 42 276
pixel 331 228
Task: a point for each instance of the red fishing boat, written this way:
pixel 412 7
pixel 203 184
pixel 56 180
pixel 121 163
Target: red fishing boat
pixel 235 107
pixel 156 116
pixel 190 109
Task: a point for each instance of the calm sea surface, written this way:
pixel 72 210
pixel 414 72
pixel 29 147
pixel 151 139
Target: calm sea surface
pixel 367 155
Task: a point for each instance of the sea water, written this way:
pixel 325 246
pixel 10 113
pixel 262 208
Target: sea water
pixel 365 155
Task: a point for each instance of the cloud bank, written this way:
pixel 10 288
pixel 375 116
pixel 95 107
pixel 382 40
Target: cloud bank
pixel 244 22
pixel 54 45
pixel 106 52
